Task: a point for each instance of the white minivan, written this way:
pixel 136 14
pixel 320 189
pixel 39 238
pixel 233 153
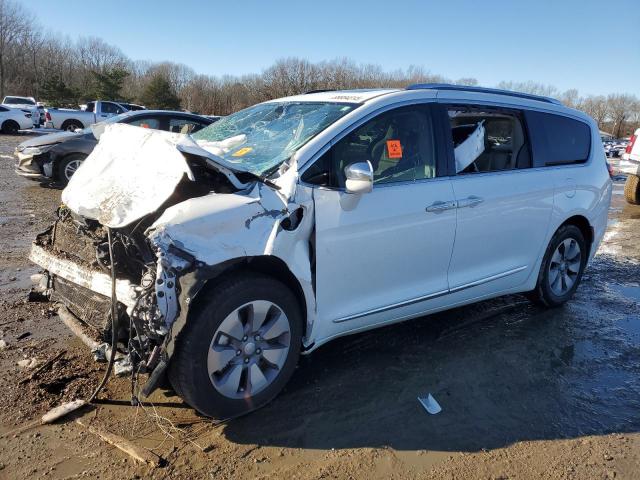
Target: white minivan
pixel 303 219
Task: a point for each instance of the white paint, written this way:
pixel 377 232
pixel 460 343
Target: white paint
pixel 129 174
pixel 634 155
pixel 18 116
pixel 95 281
pixel 373 250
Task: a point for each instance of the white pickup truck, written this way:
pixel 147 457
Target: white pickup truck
pixel 630 164
pixel 96 111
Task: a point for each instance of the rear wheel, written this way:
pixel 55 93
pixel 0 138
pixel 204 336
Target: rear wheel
pixel 10 127
pixel 632 189
pixel 239 349
pixel 562 267
pixel 71 125
pixel 68 166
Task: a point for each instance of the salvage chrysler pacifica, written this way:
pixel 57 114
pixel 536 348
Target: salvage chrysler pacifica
pixel 217 258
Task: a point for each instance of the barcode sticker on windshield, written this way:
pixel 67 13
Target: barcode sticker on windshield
pixel 394 149
pixel 242 152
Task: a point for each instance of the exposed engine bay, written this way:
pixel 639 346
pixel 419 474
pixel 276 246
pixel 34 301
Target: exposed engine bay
pixel 149 305
pixel 151 237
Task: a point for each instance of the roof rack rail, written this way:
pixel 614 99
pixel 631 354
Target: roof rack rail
pixel 496 91
pixel 320 90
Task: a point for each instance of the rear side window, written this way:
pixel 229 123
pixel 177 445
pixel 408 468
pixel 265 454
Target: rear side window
pixel 488 139
pixel 145 122
pixel 558 140
pixel 184 125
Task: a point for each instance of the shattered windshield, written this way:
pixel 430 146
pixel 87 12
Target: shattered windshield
pixel 258 139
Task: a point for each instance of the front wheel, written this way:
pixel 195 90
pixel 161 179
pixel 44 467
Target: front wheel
pixel 562 267
pixel 239 349
pixel 68 166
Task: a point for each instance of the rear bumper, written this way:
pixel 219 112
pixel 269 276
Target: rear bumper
pixel 95 281
pixel 629 166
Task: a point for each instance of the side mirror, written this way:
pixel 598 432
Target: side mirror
pixel 359 177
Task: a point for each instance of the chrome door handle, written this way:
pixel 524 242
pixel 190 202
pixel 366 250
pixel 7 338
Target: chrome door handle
pixel 471 201
pixel 438 206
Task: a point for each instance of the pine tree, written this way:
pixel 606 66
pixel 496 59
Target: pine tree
pixel 160 95
pixel 109 84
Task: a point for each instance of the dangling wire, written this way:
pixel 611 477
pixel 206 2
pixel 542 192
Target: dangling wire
pixel 114 321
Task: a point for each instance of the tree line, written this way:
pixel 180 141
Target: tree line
pixel 65 72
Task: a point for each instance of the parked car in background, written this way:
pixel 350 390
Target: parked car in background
pixel 299 220
pixel 19 102
pixel 56 157
pixel 630 164
pixel 14 119
pixel 615 148
pixel 28 104
pixel 97 111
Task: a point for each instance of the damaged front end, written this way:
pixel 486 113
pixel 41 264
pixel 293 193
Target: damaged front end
pixel 74 252
pixel 175 222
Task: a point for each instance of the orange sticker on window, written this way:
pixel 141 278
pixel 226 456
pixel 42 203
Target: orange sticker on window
pixel 242 151
pixel 394 149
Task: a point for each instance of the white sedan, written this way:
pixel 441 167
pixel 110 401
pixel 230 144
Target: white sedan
pixel 12 120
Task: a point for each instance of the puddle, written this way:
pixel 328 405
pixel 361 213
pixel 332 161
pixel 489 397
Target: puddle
pixel 17 280
pixel 630 325
pixel 631 292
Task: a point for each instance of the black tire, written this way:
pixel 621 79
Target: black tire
pixel 71 125
pixel 10 127
pixel 632 189
pixel 188 371
pixel 543 293
pixel 62 170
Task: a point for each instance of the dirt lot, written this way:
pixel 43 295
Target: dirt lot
pixel 525 392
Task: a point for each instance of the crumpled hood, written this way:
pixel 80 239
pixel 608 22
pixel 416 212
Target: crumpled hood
pixel 130 173
pixel 222 225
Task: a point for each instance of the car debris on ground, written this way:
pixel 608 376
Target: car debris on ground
pixel 430 404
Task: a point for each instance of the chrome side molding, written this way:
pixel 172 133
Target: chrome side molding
pixel 431 295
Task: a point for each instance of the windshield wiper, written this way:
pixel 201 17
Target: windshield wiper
pixel 259 178
pixel 221 163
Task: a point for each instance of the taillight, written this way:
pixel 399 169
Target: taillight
pixel 632 140
pixel 47 116
pixel 609 168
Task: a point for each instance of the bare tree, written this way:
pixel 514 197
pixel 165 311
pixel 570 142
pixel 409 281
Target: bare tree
pixel 14 23
pixel 621 108
pixel 31 58
pixel 597 108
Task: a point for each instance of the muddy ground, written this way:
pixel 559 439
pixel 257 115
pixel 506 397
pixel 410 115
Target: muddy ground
pixel 525 392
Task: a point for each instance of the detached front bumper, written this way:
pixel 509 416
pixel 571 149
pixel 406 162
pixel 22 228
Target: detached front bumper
pixel 95 281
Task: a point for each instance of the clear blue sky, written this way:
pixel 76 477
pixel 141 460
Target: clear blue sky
pixel 590 45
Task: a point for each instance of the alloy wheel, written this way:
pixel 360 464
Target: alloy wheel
pixel 71 167
pixel 249 349
pixel 564 266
